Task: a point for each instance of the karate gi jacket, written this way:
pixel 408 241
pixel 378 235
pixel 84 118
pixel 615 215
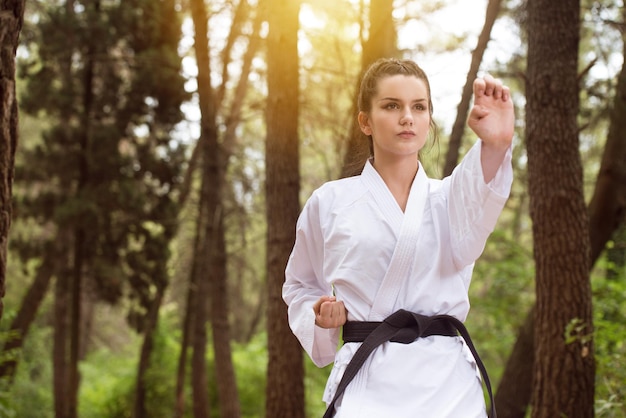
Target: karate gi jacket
pixel 354 241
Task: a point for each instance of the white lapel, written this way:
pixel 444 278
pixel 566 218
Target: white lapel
pixel 383 197
pixel 407 227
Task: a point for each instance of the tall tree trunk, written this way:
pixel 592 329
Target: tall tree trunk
pixel 199 379
pixel 458 128
pixel 381 42
pixel 242 317
pixel 213 284
pixel 188 320
pixel 188 323
pixel 210 278
pixel 198 265
pixel 74 320
pixel 224 368
pixel 381 39
pixel 220 307
pixel 63 287
pixel 564 368
pixel 140 409
pixel 79 249
pixel 606 213
pixel 80 231
pixel 60 354
pixel 208 147
pixel 11 20
pixel 26 314
pixel 285 370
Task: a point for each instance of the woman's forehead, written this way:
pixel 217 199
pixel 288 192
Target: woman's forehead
pixel 402 86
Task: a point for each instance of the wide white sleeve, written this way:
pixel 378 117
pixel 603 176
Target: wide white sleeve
pixel 305 284
pixel 474 206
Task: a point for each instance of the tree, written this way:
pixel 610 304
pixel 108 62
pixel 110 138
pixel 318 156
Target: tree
pixel 285 370
pixel 208 216
pixel 11 20
pixel 380 42
pixel 458 128
pixel 606 209
pixel 563 372
pixel 107 168
pixel 208 296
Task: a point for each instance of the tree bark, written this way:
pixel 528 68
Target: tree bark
pixel 11 20
pixel 285 370
pixel 564 368
pixel 458 128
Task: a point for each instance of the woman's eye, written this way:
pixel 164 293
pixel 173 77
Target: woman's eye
pixel 391 106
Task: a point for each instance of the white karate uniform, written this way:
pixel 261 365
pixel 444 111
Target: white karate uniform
pixel 354 241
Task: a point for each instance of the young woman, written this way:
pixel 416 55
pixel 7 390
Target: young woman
pixel 389 254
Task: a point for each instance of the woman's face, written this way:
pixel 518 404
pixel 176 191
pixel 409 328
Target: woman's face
pixel 399 119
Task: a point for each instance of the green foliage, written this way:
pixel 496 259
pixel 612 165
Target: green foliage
pixel 30 396
pixel 107 167
pixel 610 339
pixel 159 378
pixel 6 409
pixel 501 295
pixel 108 382
pixel 314 383
pixel 576 331
pixel 109 378
pixel 250 362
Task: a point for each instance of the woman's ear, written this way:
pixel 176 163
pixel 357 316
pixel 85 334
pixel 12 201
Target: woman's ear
pixel 364 123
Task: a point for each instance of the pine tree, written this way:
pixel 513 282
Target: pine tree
pixel 103 190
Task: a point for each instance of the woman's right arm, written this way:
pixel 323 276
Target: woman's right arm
pixel 305 291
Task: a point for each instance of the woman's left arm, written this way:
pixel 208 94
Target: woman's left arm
pixel 492 118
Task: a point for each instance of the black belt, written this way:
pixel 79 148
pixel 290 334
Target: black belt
pixel 402 327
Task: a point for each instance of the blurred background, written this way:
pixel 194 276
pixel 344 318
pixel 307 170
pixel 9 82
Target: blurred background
pixel 158 142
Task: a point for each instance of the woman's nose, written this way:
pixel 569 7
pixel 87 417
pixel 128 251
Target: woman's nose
pixel 406 118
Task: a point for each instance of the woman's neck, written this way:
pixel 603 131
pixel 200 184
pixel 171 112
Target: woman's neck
pixel 398 175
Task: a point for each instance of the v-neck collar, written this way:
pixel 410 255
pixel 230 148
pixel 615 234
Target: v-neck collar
pixel 385 199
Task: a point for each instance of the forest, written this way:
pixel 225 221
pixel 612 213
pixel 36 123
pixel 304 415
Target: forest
pixel 155 156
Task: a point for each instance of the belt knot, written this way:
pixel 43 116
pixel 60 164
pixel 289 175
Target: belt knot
pixel 410 326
